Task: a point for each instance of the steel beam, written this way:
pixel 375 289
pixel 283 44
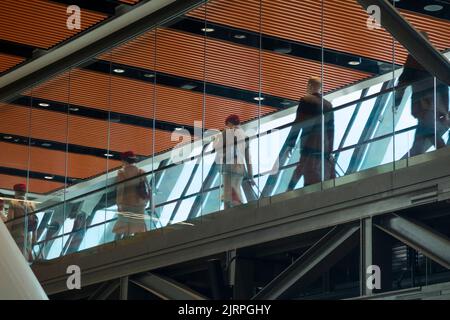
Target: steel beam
pixel 313 263
pixel 165 288
pixel 418 236
pixel 422 50
pixel 104 290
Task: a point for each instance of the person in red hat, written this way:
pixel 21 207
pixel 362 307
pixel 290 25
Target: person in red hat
pixel 233 155
pixel 132 196
pixel 21 220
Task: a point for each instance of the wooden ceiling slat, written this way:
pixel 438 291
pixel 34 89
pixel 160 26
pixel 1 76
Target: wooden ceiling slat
pixel 40 23
pixel 34 185
pixel 52 162
pixel 344 24
pixel 8 61
pixel 231 65
pixel 47 125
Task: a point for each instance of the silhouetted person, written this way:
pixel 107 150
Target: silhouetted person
pixel 309 118
pixel 233 154
pixel 429 125
pixel 132 197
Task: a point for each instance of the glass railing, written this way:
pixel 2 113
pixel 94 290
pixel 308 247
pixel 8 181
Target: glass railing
pixel 365 129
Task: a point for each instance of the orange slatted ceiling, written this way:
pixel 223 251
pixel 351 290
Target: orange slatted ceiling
pixel 40 23
pixel 52 162
pixel 344 24
pixel 118 94
pixel 182 106
pixel 58 127
pixel 34 186
pixel 139 52
pixel 228 64
pixel 7 61
pixel 100 91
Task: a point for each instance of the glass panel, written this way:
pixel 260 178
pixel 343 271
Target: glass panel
pixel 179 107
pixel 15 195
pixel 358 134
pixel 422 99
pixel 287 79
pixel 51 104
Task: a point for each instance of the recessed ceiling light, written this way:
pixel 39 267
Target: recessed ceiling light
pixel 189 86
pixel 46 144
pixel 284 50
pixel 149 75
pixel 240 36
pixel 74 109
pixel 258 98
pixel 119 70
pixel 7 137
pixel 43 104
pixel 354 63
pixel 208 29
pixel 433 7
pixel 178 129
pixel 109 155
pixel 49 177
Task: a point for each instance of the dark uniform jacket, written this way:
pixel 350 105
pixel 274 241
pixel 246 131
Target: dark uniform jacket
pixel 309 117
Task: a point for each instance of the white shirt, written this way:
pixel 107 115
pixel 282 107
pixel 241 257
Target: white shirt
pixel 234 151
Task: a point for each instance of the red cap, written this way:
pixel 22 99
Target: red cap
pixel 128 155
pixel 234 119
pixel 20 187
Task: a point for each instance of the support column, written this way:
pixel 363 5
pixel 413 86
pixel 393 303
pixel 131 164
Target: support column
pixel 382 257
pixel 124 288
pixel 366 254
pixel 243 288
pixel 216 279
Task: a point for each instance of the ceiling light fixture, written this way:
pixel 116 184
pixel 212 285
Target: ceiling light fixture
pixel 433 7
pixel 44 104
pixel 49 177
pixel 149 75
pixel 46 144
pixel 283 50
pixel 7 137
pixel 189 86
pixel 208 30
pixel 258 98
pixel 240 36
pixel 119 70
pixel 109 155
pixel 74 109
pixel 356 62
